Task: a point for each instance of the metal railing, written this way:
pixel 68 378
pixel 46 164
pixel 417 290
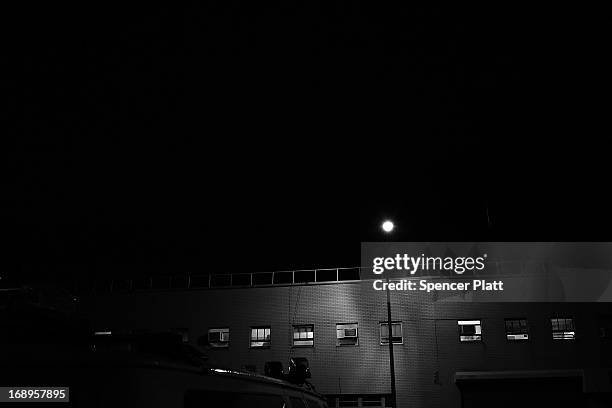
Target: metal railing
pixel 232 280
pixel 294 277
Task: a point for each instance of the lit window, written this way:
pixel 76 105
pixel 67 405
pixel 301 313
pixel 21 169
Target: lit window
pixel 218 337
pixel 260 337
pixel 516 329
pixel 563 328
pixel 470 330
pixel 347 334
pixel 396 333
pixel 303 335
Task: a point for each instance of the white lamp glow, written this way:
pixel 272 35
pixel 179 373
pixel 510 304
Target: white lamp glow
pixel 388 226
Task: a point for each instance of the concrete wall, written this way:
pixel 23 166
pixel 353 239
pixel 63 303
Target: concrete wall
pixel 431 343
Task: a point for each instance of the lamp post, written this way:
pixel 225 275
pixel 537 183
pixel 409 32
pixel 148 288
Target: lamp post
pixel 388 227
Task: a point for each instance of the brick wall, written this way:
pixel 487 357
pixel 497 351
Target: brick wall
pixel 425 363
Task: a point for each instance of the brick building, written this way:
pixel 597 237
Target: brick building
pixel 447 354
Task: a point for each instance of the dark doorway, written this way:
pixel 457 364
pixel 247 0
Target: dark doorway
pixel 515 393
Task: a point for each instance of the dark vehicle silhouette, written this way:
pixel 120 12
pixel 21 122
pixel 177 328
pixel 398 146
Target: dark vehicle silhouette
pixel 43 346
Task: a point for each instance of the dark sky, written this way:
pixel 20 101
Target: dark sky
pixel 225 136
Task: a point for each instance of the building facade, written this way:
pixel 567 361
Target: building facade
pixel 447 354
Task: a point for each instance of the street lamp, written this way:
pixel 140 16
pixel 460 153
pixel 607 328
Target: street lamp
pixel 388 226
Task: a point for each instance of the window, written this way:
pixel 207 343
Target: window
pixel 470 330
pixel 396 333
pixel 374 400
pixel 605 326
pixel 516 329
pixel 358 400
pixel 260 337
pixel 183 333
pixel 347 334
pixel 348 401
pixel 303 335
pixel 218 337
pixel 563 328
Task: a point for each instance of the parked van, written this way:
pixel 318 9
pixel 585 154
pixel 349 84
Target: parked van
pixel 146 374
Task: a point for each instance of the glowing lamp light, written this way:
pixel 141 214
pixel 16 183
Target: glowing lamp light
pixel 388 226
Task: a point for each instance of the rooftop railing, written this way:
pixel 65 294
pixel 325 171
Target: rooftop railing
pixel 210 281
pixel 280 278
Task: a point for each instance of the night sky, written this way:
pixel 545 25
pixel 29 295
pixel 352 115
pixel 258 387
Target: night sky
pixel 228 137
